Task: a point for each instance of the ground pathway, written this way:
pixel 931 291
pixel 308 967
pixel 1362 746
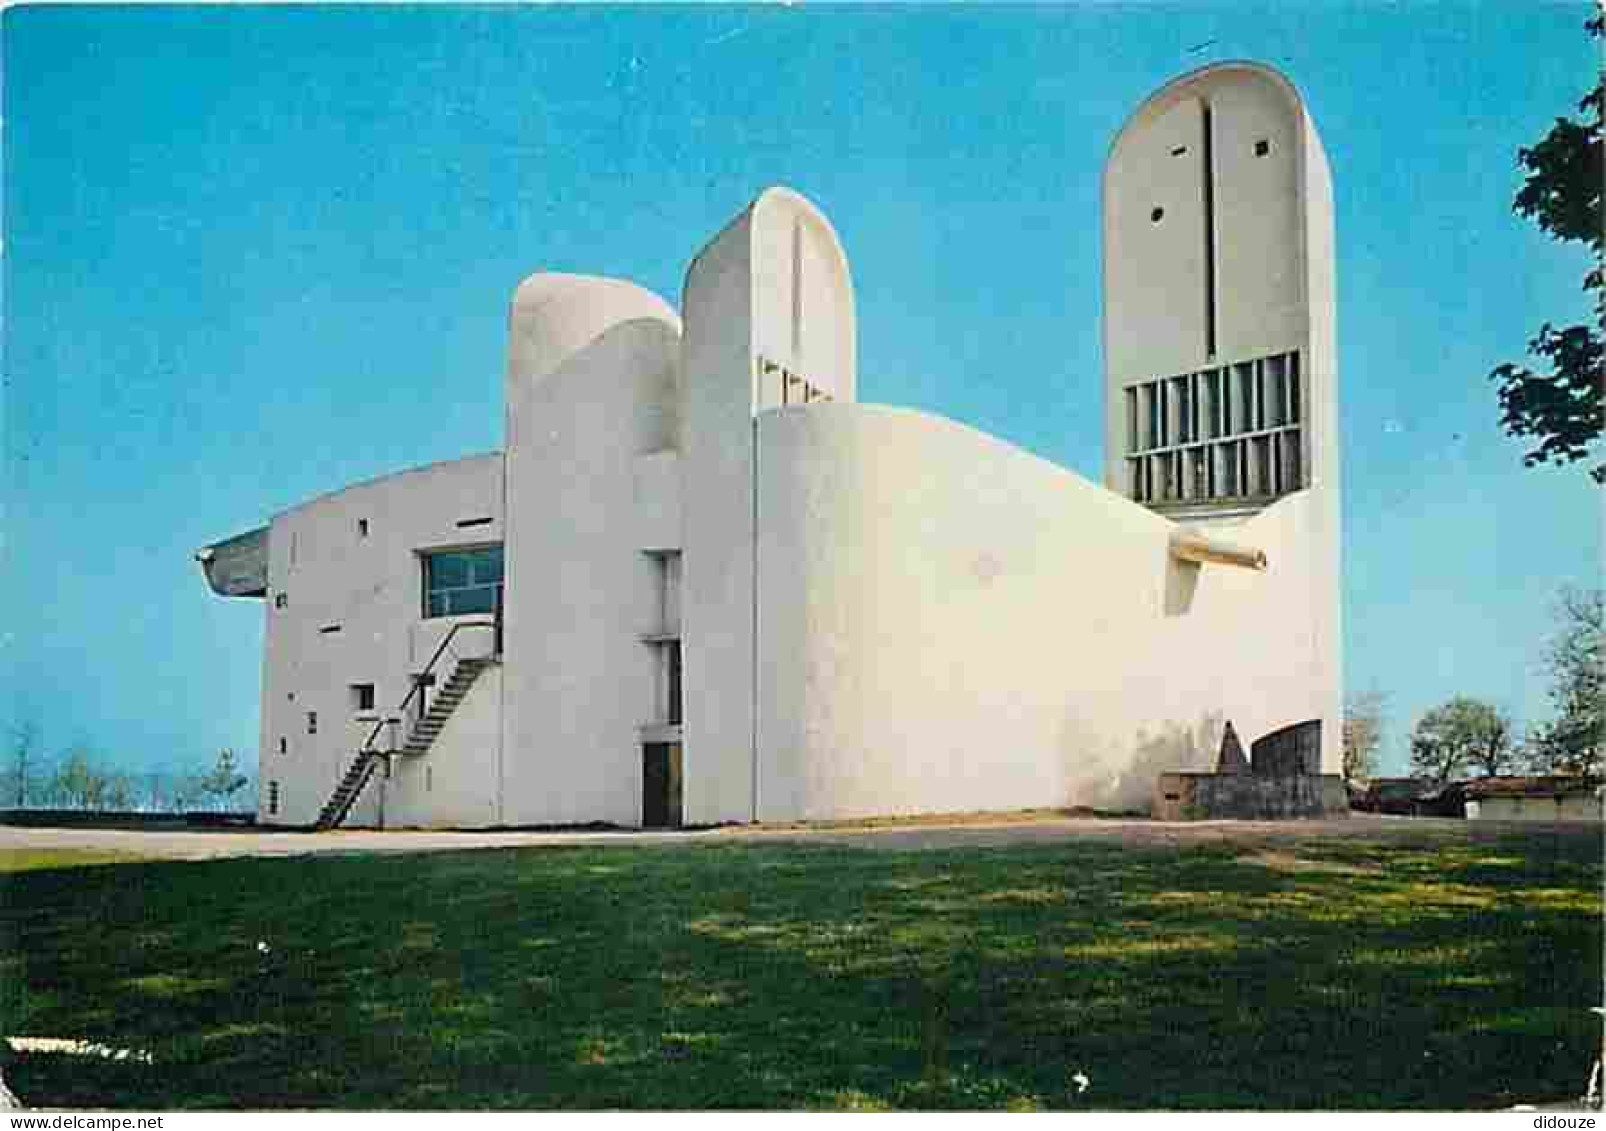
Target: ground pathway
pixel 975 831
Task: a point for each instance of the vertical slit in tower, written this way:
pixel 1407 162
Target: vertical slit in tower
pixel 797 291
pixel 1208 159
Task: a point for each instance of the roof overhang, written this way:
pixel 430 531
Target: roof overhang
pixel 238 566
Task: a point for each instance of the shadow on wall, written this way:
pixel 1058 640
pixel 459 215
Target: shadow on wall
pixel 1128 785
pixel 1181 581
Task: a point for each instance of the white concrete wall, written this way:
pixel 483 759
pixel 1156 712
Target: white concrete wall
pixel 948 623
pixel 1325 465
pixel 581 588
pixel 659 525
pixel 452 785
pixel 1576 808
pixel 1274 284
pixel 1155 271
pixel 372 588
pixel 774 284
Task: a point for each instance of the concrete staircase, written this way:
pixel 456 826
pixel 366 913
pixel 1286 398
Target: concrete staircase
pixel 419 741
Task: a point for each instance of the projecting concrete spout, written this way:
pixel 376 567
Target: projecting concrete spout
pixel 1190 545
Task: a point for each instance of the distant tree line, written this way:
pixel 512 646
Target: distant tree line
pixel 1470 736
pixel 78 779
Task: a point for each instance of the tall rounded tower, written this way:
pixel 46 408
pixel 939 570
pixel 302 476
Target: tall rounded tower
pixel 1221 375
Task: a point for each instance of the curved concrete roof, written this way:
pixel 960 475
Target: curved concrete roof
pixel 1194 82
pixel 554 316
pixel 779 196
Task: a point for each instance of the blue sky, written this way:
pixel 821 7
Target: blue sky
pixel 253 254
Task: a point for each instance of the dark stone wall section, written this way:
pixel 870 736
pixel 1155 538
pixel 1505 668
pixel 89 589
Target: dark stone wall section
pixel 1249 797
pixel 1295 749
pixel 1285 782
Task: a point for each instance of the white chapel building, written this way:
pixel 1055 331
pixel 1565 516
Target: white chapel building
pixel 703 583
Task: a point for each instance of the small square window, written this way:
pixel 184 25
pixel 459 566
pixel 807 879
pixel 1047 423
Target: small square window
pixel 362 697
pixel 362 528
pixel 1262 147
pixel 312 722
pixel 280 600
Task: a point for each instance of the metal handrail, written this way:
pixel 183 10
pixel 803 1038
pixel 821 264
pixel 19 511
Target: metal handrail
pixel 495 624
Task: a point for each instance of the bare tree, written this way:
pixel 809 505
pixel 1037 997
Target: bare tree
pixel 24 761
pixel 77 784
pixel 1363 733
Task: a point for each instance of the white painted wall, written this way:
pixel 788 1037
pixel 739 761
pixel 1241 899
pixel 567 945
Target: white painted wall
pixel 582 590
pixel 372 588
pixel 452 786
pixel 883 611
pixel 1578 807
pixel 948 623
pixel 1274 284
pixel 774 284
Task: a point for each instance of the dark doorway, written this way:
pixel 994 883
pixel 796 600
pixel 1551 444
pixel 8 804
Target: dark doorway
pixel 660 792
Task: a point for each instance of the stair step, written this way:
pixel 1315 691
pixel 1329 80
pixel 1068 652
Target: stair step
pixel 419 739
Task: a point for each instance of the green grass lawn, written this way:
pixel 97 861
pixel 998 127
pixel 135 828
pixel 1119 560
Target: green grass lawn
pixel 32 859
pixel 1324 974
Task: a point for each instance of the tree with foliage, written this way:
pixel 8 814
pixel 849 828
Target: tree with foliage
pixel 224 780
pixel 1560 405
pixel 1463 733
pixel 1571 742
pixel 1362 734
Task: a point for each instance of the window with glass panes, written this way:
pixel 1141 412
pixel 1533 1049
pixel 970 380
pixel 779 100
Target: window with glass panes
pixel 460 582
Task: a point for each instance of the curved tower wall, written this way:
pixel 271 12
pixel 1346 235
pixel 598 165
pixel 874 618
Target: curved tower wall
pixel 1221 380
pixel 591 389
pixel 958 625
pixel 769 318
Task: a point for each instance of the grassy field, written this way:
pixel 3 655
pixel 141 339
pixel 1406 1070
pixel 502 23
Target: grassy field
pixel 1324 974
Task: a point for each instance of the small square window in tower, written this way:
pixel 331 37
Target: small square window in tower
pixel 362 697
